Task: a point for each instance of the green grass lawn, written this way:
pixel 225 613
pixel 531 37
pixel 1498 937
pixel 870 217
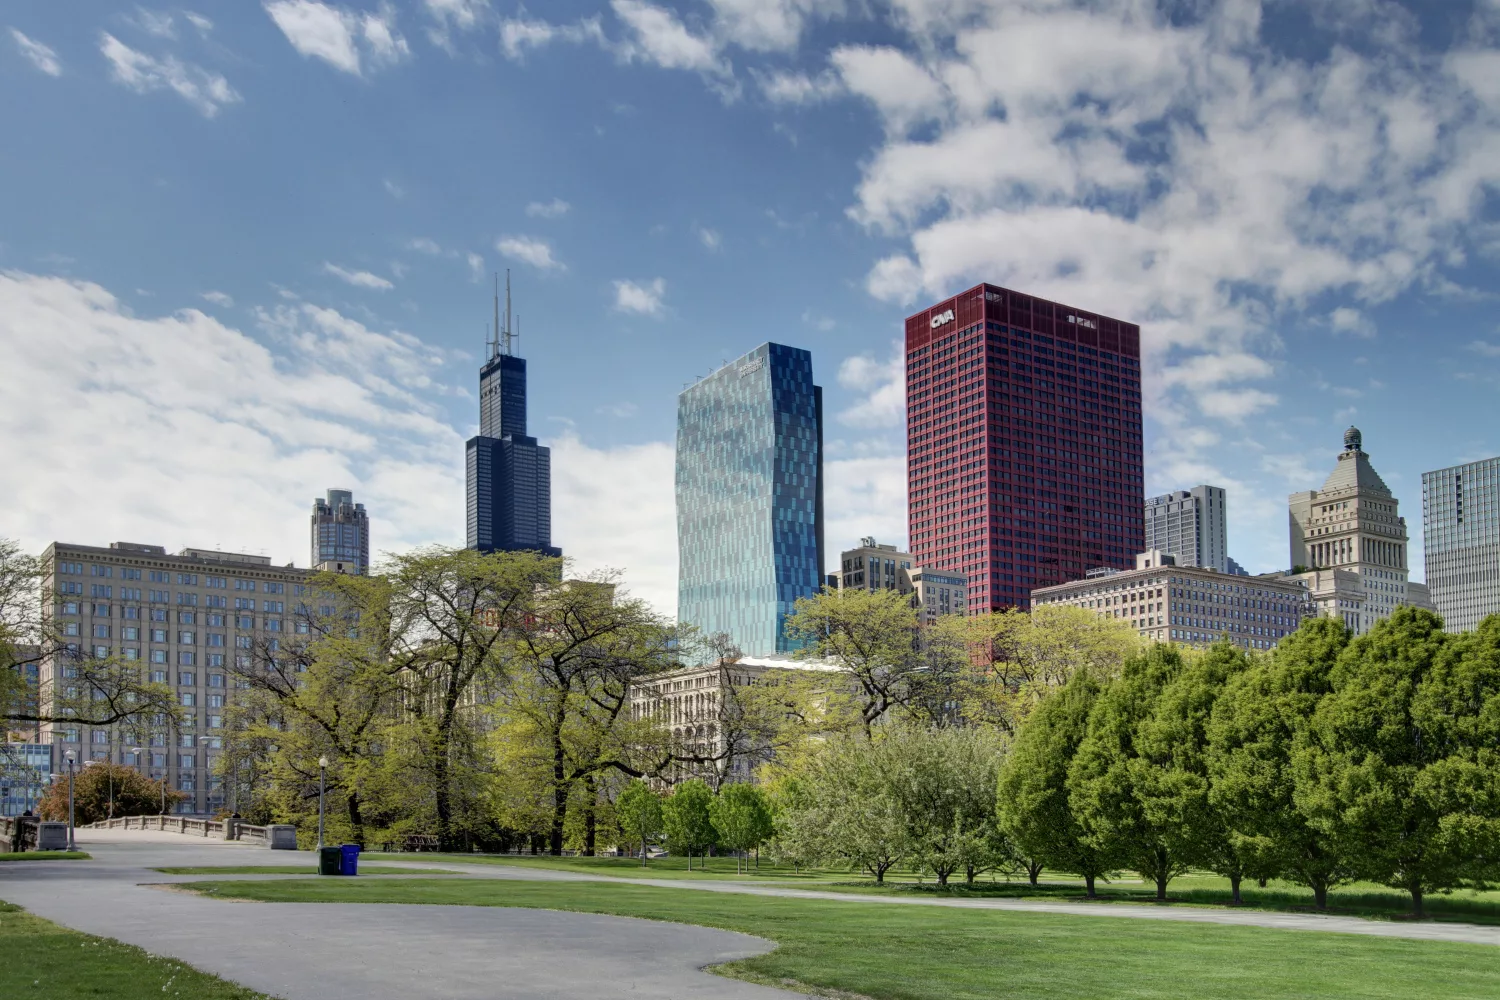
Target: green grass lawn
pixel 44 960
pixel 311 869
pixel 671 867
pixel 938 953
pixel 45 856
pixel 1362 899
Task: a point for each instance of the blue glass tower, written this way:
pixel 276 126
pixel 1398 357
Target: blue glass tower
pixel 509 474
pixel 750 497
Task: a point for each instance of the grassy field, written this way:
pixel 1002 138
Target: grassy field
pixel 44 960
pixel 297 870
pixel 673 867
pixel 45 856
pixel 1362 899
pixel 928 953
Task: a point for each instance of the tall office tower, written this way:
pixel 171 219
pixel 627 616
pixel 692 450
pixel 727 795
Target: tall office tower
pixel 340 534
pixel 1190 525
pixel 750 497
pixel 1024 443
pixel 873 566
pixel 193 620
pixel 1352 540
pixel 1461 541
pixel 509 474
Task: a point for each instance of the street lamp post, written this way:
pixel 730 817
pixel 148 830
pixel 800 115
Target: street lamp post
pixel 140 762
pixel 71 758
pixel 322 787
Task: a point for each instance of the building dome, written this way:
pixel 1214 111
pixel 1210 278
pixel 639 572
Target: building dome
pixel 1353 440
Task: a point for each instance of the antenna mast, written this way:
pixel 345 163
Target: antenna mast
pixel 507 311
pixel 495 339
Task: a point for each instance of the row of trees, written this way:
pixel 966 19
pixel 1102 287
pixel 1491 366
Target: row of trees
pixel 1329 760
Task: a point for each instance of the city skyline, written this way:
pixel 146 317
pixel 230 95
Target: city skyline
pixel 289 301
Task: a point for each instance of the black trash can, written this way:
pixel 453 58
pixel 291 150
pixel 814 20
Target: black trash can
pixel 350 856
pixel 330 861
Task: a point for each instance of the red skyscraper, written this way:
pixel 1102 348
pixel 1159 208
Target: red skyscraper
pixel 1023 442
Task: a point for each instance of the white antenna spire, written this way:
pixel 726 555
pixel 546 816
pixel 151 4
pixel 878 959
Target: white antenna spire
pixel 507 333
pixel 495 338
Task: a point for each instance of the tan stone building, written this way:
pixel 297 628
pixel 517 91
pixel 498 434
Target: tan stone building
pixel 873 566
pixel 1350 539
pixel 1165 602
pixel 187 618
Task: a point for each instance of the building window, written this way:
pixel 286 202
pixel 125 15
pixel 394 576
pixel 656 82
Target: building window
pixel 158 677
pixel 99 736
pixel 187 699
pixel 187 639
pixel 186 658
pixel 216 681
pixel 215 660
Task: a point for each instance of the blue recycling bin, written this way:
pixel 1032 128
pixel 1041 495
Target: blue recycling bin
pixel 349 859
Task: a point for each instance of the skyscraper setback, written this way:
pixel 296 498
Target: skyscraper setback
pixel 1024 442
pixel 509 475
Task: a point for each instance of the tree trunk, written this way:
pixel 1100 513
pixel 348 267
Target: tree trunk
pixel 643 851
pixel 442 794
pixel 1033 870
pixel 1088 885
pixel 356 819
pixel 969 874
pixel 942 876
pixel 1162 873
pixel 1320 893
pixel 1261 881
pixel 1161 888
pixel 1234 889
pixel 1416 899
pixel 590 817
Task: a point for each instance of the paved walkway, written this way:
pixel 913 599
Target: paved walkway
pixel 369 951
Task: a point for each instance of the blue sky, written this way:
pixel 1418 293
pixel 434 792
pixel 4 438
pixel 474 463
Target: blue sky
pixel 247 247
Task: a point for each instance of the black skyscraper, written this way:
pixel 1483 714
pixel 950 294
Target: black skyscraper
pixel 509 474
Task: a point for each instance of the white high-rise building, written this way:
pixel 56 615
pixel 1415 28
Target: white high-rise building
pixel 1461 541
pixel 1191 526
pixel 1350 539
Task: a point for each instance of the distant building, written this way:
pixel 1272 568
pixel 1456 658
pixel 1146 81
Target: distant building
pixel 1189 604
pixel 1461 541
pixel 875 567
pixel 1023 442
pixel 189 618
pixel 1353 525
pixel 1191 525
pixel 749 485
pixel 509 475
pixel 340 535
pixel 939 592
pixel 25 773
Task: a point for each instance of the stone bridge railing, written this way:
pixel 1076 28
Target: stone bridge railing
pixel 18 833
pixel 276 837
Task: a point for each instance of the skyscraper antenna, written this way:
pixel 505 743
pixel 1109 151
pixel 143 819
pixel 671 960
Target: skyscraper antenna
pixel 495 341
pixel 507 311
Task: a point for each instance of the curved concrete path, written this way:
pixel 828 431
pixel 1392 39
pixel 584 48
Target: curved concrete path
pixel 370 951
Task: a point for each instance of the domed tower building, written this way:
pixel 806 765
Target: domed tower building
pixel 1348 543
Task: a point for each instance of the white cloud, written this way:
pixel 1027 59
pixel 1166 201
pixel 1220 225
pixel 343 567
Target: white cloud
pixel 768 25
pixel 203 24
pixel 259 424
pixel 39 55
pixel 1484 348
pixel 902 89
pixel 548 209
pixel 359 279
pixel 615 509
pixel 710 238
pixel 641 299
pixel 518 34
pixel 658 36
pixel 203 89
pixel 822 323
pixel 393 189
pixel 218 298
pixel 347 40
pixel 476 266
pixel 790 87
pixel 1351 321
pixel 880 386
pixel 155 22
pixel 864 495
pixel 449 16
pixel 537 253
pixel 424 245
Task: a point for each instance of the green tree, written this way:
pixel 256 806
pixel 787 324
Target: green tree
pixel 1172 782
pixel 1020 657
pixel 1033 801
pixel 686 820
pixel 1109 781
pixel 102 790
pixel 1252 734
pixel 873 636
pixel 1386 765
pixel 943 781
pixel 741 818
pixel 638 810
pixel 842 809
